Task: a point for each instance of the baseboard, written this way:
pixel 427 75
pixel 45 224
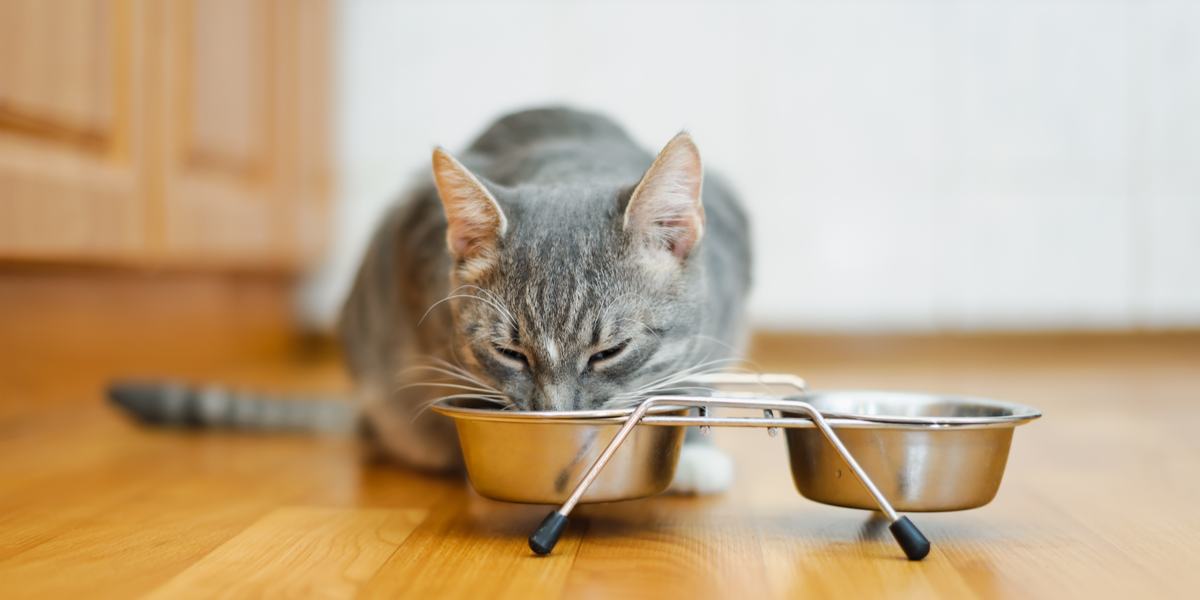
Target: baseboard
pixel 74 316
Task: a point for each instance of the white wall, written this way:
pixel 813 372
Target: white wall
pixel 910 164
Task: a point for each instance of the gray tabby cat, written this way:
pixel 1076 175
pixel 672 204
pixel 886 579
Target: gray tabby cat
pixel 554 265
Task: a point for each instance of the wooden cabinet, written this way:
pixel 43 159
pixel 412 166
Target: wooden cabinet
pixel 187 133
pixel 71 147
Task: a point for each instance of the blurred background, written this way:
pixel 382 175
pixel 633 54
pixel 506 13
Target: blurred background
pixel 911 167
pixel 916 165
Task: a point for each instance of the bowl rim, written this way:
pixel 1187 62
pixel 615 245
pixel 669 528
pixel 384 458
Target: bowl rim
pixel 1016 414
pixel 451 408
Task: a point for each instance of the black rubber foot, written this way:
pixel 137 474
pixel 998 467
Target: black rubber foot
pixel 910 539
pixel 543 540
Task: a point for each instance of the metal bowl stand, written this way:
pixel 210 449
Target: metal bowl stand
pixel 910 539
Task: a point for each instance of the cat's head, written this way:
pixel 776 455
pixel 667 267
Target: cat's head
pixel 576 296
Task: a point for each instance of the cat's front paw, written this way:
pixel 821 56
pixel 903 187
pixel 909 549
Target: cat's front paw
pixel 703 469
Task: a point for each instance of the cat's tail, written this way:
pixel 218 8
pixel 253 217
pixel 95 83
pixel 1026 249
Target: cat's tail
pixel 176 404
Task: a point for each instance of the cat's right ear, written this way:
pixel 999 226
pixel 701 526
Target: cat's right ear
pixel 475 222
pixel 665 211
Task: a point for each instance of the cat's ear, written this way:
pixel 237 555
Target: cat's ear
pixel 475 222
pixel 665 211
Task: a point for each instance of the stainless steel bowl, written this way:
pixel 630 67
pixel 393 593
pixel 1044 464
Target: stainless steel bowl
pixel 924 452
pixel 538 457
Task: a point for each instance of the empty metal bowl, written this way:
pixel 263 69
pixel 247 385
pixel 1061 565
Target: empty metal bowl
pixel 538 457
pixel 924 452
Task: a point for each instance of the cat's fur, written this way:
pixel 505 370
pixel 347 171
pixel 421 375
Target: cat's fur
pixel 578 276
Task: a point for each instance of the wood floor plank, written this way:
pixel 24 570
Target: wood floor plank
pixel 670 554
pixel 298 552
pixel 471 547
pixel 841 560
pixel 1096 500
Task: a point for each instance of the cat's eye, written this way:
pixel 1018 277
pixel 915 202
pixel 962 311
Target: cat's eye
pixel 512 354
pixel 607 354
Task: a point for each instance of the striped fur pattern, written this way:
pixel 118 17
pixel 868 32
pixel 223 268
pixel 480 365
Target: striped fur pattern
pixel 553 265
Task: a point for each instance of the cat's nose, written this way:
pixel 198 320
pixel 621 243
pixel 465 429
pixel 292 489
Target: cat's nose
pixel 556 396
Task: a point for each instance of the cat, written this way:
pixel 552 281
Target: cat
pixel 554 265
pixel 566 269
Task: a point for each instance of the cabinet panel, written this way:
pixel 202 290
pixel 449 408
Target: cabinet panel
pixel 69 157
pixel 226 87
pixel 237 107
pixel 173 132
pixel 58 66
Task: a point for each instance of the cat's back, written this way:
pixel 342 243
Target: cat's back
pixel 555 146
pixel 539 126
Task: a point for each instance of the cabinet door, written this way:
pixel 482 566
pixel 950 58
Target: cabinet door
pixel 70 157
pixel 174 133
pixel 244 134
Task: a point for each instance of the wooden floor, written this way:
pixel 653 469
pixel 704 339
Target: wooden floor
pixel 1099 498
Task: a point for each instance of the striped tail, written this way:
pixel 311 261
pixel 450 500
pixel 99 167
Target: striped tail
pixel 175 404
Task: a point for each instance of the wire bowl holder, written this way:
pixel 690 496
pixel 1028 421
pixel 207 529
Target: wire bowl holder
pixel 933 453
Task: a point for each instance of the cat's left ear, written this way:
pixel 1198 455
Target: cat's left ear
pixel 665 211
pixel 474 221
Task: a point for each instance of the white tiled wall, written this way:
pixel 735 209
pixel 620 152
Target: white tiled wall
pixel 933 164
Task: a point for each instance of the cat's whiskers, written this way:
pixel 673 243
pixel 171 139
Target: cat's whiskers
pixel 623 400
pixel 453 373
pixel 453 297
pixel 456 386
pixel 465 383
pixel 682 356
pixel 712 340
pixel 497 300
pixel 667 387
pixel 503 401
pixel 669 382
pixel 458 362
pixel 707 366
pixel 504 313
pixel 455 366
pixel 664 388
